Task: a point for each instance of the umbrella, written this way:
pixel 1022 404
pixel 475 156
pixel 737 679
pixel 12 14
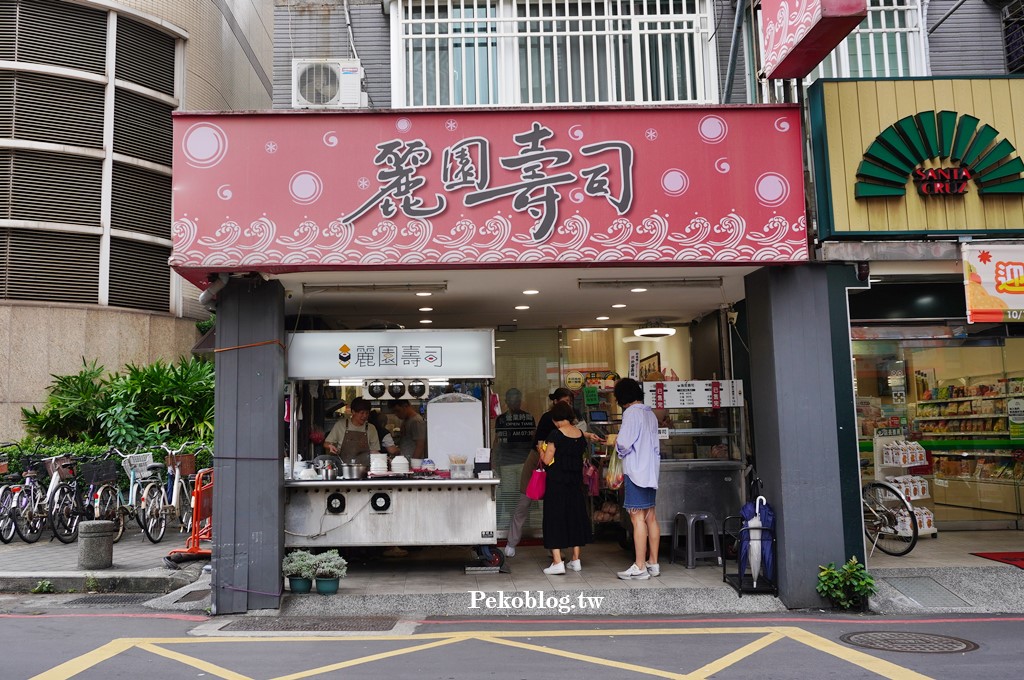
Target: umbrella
pixel 756 545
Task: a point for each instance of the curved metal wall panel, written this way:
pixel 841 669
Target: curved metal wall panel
pixel 145 56
pixel 38 266
pixel 139 275
pixel 140 201
pixel 40 105
pixel 50 187
pixel 142 127
pixel 61 34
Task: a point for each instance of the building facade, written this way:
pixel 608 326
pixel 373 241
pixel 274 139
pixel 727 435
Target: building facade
pixel 85 170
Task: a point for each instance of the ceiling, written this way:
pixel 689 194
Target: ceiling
pixel 487 298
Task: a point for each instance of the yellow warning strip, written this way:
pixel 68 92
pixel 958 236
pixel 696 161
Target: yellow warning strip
pixel 735 657
pixel 198 664
pixel 865 661
pixel 369 659
pixel 70 669
pixel 583 657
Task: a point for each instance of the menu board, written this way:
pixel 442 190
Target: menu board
pixel 693 393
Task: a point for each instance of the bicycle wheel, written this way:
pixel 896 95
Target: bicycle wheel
pixel 889 520
pixel 184 510
pixel 155 523
pixel 106 506
pixel 29 516
pixel 6 518
pixel 120 517
pixel 64 514
pixel 140 511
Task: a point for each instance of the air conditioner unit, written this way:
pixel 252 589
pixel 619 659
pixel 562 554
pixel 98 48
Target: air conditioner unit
pixel 327 84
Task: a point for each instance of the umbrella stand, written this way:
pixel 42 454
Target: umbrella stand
pixel 735 527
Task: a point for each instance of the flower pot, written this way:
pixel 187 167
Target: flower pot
pixel 297 584
pixel 327 586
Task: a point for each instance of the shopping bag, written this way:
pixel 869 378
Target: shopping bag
pixel 613 473
pixel 536 485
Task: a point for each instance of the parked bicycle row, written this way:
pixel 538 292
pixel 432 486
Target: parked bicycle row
pixel 61 491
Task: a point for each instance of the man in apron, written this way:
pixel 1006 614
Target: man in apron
pixel 353 438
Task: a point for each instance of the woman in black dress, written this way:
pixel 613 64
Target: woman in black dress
pixel 565 511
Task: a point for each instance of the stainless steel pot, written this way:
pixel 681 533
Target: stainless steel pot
pixel 358 471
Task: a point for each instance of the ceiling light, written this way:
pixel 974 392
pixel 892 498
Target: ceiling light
pixel 423 293
pixel 637 290
pixel 429 321
pixel 618 306
pixel 601 318
pixel 530 292
pixel 522 307
pixel 633 284
pixel 501 340
pixel 426 309
pixel 654 329
pixel 591 330
pixel 635 338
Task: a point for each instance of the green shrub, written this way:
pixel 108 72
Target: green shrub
pixel 299 564
pixel 330 564
pixel 848 587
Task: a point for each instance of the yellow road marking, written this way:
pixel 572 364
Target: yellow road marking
pixel 198 664
pixel 583 657
pixel 70 669
pixel 735 657
pixel 368 659
pixel 865 661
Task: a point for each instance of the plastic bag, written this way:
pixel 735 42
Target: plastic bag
pixel 613 473
pixel 591 478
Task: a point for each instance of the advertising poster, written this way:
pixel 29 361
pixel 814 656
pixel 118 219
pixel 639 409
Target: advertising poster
pixel 994 281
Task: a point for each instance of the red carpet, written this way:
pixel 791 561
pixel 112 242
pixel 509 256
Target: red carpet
pixel 1014 558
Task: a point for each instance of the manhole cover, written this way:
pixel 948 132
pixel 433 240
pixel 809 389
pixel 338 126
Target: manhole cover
pixel 922 643
pixel 122 599
pixel 312 623
pixel 194 596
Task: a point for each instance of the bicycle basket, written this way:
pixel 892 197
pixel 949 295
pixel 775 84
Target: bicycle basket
pixel 54 466
pixel 187 461
pixel 138 462
pixel 100 472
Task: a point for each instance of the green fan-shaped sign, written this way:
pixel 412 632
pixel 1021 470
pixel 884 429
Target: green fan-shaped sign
pixel 896 157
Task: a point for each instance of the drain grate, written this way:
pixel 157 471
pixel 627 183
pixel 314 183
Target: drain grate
pixel 926 591
pixel 195 596
pixel 921 643
pixel 116 599
pixel 312 623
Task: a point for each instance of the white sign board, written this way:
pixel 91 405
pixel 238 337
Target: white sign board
pixel 693 393
pixel 321 355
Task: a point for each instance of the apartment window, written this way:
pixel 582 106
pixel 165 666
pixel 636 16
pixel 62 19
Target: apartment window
pixel 566 52
pixel 889 43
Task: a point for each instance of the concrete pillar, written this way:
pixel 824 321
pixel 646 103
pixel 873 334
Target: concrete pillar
pixel 804 421
pixel 248 491
pixel 95 545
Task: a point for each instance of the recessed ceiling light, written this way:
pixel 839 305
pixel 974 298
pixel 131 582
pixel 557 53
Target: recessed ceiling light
pixel 426 321
pixel 521 307
pixel 575 339
pixel 530 292
pixel 591 330
pixel 501 340
pixel 601 318
pixel 423 293
pixel 426 309
pixel 618 306
pixel 631 290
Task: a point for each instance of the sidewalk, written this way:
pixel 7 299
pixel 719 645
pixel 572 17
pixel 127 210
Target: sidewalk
pixel 939 576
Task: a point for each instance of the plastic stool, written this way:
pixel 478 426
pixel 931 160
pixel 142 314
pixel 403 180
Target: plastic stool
pixel 692 553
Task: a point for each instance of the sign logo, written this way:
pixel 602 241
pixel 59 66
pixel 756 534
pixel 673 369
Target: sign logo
pixel 942 152
pixel 344 356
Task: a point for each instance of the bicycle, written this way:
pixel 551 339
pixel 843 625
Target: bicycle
pixel 74 498
pixel 6 500
pixel 32 506
pixel 889 520
pixel 111 502
pixel 158 508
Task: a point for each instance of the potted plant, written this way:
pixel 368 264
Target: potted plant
pixel 848 586
pixel 300 568
pixel 329 567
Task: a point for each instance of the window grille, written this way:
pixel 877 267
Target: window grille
pixel 889 43
pixel 1013 36
pixel 565 52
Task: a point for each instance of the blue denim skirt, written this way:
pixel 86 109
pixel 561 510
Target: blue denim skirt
pixel 638 497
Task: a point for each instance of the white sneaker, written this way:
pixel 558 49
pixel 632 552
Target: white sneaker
pixel 555 569
pixel 634 573
pixel 510 551
pixel 575 565
pixel 654 570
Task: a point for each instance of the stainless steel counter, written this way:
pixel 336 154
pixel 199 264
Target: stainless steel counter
pixel 689 485
pixel 390 511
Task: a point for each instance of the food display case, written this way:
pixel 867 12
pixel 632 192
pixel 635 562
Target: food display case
pixel 415 507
